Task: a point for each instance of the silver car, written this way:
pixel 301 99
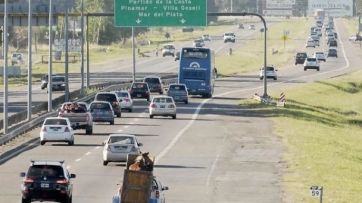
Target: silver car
pixel 162 106
pixel 125 100
pixel 178 92
pixel 102 112
pixel 118 146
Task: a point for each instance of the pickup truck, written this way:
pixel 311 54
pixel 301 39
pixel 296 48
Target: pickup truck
pixel 78 115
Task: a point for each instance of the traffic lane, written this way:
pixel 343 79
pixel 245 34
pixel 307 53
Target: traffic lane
pixel 227 155
pixel 87 152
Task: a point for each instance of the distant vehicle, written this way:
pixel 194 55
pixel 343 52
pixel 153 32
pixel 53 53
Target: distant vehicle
pixel 102 112
pixel 118 146
pixel 58 83
pixel 330 36
pixel 251 27
pixel 178 92
pixel 320 56
pixel 162 106
pixel 112 98
pixel 241 26
pixel 310 43
pixel 17 58
pixel 206 37
pixel 154 83
pixel 78 115
pixel 316 42
pixel 198 43
pixel 300 58
pixel 332 43
pixel 229 37
pixel 311 63
pixel 318 31
pixel 332 52
pixel 177 56
pixel 125 100
pixel 196 71
pixel 56 129
pixel 271 72
pixel 168 50
pixel 140 90
pixel 47 181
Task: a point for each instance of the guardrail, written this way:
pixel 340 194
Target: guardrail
pixel 24 127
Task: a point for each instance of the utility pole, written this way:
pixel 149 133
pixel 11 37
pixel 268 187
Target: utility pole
pixel 50 61
pixel 134 57
pixel 5 40
pixel 82 49
pixel 66 64
pixel 87 38
pixel 30 16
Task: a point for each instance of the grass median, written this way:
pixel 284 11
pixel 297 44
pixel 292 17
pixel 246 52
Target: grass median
pixel 250 57
pixel 321 127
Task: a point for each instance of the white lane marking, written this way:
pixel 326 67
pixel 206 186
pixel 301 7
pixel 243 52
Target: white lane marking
pixel 78 160
pixel 131 123
pixel 68 167
pixel 120 130
pixel 88 153
pixel 136 119
pixel 126 126
pixel 98 147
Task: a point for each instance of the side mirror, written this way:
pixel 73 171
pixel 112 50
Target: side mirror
pixel 140 144
pixel 166 89
pixel 104 142
pixel 120 100
pixel 22 174
pixel 72 175
pixel 165 188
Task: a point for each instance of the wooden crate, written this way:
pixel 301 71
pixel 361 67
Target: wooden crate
pixel 136 186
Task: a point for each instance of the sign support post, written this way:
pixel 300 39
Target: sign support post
pixel 30 16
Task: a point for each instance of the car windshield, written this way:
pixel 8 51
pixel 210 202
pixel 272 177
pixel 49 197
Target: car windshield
pixel 55 122
pixel 301 55
pixel 168 47
pixel 162 100
pixel 103 106
pixel 121 140
pixel 139 86
pixel 177 87
pixel 49 171
pixel 58 79
pixel 195 53
pixel 311 59
pixel 106 97
pixel 152 80
pixel 229 34
pixel 122 94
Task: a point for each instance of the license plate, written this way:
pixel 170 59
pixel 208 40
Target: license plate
pixel 44 185
pixel 139 95
pixel 54 128
pixel 162 106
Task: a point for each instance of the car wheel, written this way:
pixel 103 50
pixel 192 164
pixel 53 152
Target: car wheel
pixel 89 131
pixel 174 117
pixel 261 78
pixel 119 115
pixel 275 78
pixel 105 163
pixel 186 102
pixel 317 69
pixel 71 143
pixel 151 116
pixel 111 123
pixel 25 200
pixel 42 142
pixel 148 99
pixel 161 92
pixel 305 69
pixel 130 110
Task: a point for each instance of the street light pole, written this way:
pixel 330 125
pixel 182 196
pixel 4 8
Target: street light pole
pixel 265 94
pixel 5 40
pixel 82 49
pixel 66 63
pixel 87 38
pixel 30 16
pixel 50 61
pixel 134 57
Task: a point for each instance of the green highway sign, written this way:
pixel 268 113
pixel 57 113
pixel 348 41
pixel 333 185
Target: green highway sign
pixel 148 13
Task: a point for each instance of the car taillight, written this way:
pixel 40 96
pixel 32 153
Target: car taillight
pixel 153 105
pixel 87 118
pixel 171 106
pixel 157 194
pixel 115 104
pixel 126 100
pixel 62 181
pixel 66 129
pixel 28 180
pixel 44 129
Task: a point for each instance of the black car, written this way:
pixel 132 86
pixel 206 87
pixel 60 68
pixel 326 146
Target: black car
pixel 47 181
pixel 332 52
pixel 112 98
pixel 154 83
pixel 140 90
pixel 300 57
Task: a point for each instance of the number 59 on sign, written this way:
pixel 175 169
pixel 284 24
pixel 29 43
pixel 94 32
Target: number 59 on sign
pixel 316 193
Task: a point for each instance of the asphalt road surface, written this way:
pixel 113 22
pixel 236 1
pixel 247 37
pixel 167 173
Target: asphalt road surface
pixel 215 151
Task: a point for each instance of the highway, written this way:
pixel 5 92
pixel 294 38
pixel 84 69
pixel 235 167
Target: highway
pixel 216 151
pixel 119 70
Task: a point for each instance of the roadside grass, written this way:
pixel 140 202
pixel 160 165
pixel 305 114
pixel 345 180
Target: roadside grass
pixel 351 25
pixel 251 56
pixel 321 128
